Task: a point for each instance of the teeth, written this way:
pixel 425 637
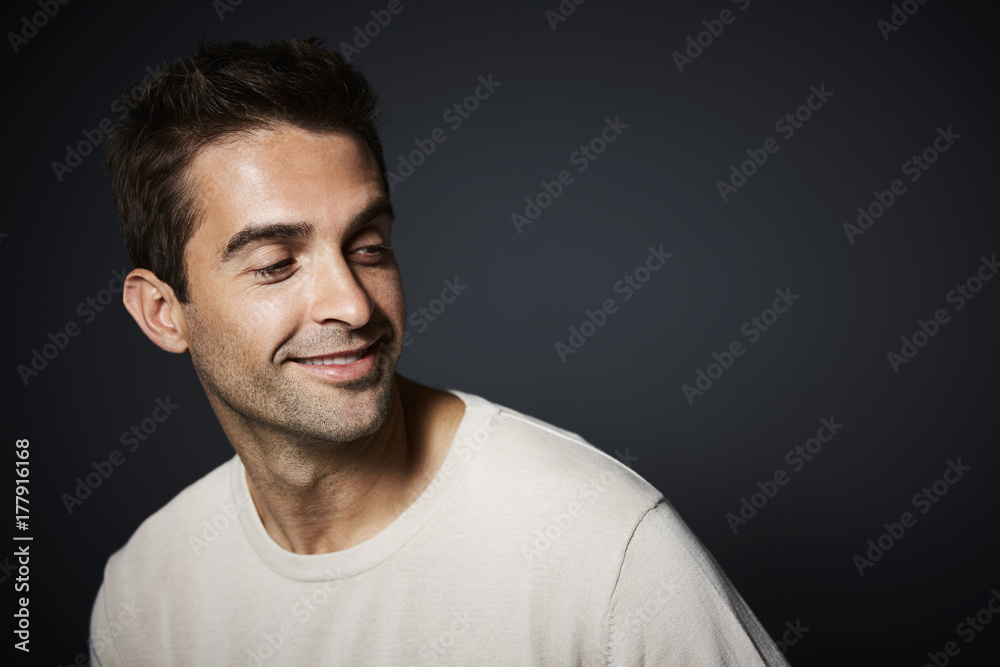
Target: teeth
pixel 332 361
pixel 340 361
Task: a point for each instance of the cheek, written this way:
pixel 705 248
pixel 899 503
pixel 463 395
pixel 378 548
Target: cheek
pixel 387 293
pixel 266 318
pixel 267 309
pixel 245 326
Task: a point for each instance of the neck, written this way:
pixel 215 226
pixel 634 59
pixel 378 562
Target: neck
pixel 322 499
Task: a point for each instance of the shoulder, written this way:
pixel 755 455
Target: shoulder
pixel 544 469
pixel 176 530
pixel 158 556
pixel 673 604
pixel 588 533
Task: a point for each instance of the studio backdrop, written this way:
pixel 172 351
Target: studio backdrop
pixel 748 248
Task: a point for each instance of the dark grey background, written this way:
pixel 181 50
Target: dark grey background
pixel 622 391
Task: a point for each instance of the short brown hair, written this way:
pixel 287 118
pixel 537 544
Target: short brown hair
pixel 219 91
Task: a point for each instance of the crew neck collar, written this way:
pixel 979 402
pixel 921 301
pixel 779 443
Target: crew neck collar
pixel 476 421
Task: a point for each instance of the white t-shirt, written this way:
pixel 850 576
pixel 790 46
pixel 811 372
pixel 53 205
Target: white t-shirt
pixel 529 547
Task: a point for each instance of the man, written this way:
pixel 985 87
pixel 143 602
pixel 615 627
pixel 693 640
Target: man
pixel 365 519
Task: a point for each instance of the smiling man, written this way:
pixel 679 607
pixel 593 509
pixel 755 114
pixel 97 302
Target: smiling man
pixel 376 520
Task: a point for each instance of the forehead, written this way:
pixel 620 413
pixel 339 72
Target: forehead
pixel 283 174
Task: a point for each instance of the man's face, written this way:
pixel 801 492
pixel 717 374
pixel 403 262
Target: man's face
pixel 290 281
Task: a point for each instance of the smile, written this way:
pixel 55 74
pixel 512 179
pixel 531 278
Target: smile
pixel 342 366
pixel 335 360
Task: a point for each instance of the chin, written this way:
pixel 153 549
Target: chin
pixel 357 416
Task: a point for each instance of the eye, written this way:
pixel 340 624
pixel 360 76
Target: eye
pixel 275 270
pixel 375 253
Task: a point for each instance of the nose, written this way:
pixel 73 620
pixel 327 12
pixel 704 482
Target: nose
pixel 338 295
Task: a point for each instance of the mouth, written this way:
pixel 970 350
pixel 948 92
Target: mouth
pixel 342 365
pixel 337 358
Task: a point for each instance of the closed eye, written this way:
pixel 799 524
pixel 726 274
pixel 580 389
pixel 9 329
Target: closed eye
pixel 376 252
pixel 274 270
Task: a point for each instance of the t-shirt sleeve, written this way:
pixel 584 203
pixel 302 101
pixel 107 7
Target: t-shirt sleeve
pixel 103 652
pixel 673 604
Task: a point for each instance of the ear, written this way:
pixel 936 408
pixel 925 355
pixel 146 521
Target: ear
pixel 155 308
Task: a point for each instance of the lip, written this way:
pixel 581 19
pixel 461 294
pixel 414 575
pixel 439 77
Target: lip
pixel 339 353
pixel 343 372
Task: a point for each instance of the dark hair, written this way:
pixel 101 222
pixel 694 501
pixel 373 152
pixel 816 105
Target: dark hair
pixel 222 90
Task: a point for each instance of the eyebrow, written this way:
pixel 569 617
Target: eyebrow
pixel 299 230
